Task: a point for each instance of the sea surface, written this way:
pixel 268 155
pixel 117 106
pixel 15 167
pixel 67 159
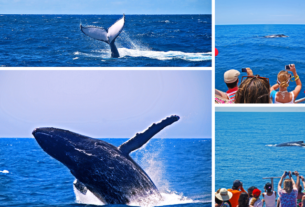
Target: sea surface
pixel 146 40
pixel 245 147
pixel 180 168
pixel 242 46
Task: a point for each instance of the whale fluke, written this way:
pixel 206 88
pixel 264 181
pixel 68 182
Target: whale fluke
pixel 101 168
pixel 141 138
pixel 108 36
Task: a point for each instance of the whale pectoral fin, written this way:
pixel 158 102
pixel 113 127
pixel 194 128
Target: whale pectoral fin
pixel 116 29
pixel 97 33
pixel 80 187
pixel 141 138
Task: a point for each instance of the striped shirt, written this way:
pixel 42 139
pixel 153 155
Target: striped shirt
pixel 231 93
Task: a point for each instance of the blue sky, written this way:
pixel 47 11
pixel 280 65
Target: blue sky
pixel 105 7
pixel 105 104
pixel 259 12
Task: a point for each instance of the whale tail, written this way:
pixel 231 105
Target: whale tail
pixel 106 35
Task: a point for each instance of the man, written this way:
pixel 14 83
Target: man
pixel 236 190
pixel 231 79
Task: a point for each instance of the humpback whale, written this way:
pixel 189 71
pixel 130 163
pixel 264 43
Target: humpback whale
pixel 103 169
pixel 106 35
pixel 275 36
pixel 290 144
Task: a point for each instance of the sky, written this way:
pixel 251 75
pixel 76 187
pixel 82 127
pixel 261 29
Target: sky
pixel 105 104
pixel 259 12
pixel 105 7
pixel 269 108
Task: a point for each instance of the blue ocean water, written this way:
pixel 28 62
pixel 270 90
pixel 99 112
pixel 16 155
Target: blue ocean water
pixel 180 168
pixel 243 46
pixel 245 147
pixel 146 40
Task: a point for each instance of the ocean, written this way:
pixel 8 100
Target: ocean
pixel 180 168
pixel 242 46
pixel 245 147
pixel 146 41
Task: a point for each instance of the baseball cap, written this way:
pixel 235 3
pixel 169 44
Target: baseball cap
pixel 237 183
pixel 231 76
pixel 256 192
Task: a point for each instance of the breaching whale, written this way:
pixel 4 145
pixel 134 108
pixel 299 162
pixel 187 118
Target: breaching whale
pixel 106 35
pixel 275 36
pixel 105 170
pixel 291 144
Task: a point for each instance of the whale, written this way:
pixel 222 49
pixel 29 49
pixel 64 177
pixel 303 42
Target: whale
pixel 275 36
pixel 106 35
pixel 291 144
pixel 105 170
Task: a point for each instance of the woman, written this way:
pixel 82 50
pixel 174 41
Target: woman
pixel 250 190
pixel 243 200
pixel 222 197
pixel 254 89
pixel 283 80
pixel 300 193
pixel 269 196
pixel 288 195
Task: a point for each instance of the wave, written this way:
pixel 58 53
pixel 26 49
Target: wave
pixel 159 55
pixel 4 171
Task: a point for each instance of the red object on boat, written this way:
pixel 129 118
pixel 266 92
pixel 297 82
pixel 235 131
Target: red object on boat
pixel 216 52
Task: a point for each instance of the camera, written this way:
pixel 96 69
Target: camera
pixel 287 67
pixel 244 70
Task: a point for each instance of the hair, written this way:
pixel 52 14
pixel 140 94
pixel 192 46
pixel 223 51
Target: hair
pixel 268 187
pixel 243 200
pixel 288 185
pixel 235 187
pixel 218 201
pixel 300 189
pixel 253 90
pixel 232 85
pixel 250 190
pixel 283 78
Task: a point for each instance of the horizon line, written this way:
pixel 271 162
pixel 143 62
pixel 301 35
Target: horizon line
pixel 105 14
pixel 101 138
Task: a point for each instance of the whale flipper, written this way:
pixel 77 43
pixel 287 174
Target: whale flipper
pixel 141 138
pixel 108 36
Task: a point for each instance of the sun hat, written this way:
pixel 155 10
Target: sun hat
pixel 237 183
pixel 224 195
pixel 256 192
pixel 231 76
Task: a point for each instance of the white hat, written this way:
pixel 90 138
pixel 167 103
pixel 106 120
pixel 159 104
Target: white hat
pixel 231 76
pixel 224 195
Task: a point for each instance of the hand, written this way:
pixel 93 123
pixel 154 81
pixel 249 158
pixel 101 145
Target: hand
pixel 292 68
pixel 296 173
pixel 249 72
pixel 290 174
pixel 284 175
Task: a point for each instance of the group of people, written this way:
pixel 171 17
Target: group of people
pixel 291 195
pixel 256 89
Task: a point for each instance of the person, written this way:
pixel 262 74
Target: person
pixel 269 196
pixel 283 80
pixel 231 80
pixel 300 193
pixel 288 195
pixel 250 190
pixel 222 197
pixel 255 200
pixel 236 190
pixel 254 89
pixel 243 200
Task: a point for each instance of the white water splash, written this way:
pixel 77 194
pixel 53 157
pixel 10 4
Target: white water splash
pixel 159 55
pixel 4 171
pixel 89 198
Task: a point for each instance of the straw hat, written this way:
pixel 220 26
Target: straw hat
pixel 223 195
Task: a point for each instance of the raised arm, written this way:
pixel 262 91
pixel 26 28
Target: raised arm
pixel 281 181
pixel 298 180
pixel 141 138
pixel 274 87
pixel 298 88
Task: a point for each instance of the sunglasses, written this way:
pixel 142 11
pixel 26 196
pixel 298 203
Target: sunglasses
pixel 255 76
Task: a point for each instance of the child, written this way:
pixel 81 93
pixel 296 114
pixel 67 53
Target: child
pixel 255 201
pixel 269 196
